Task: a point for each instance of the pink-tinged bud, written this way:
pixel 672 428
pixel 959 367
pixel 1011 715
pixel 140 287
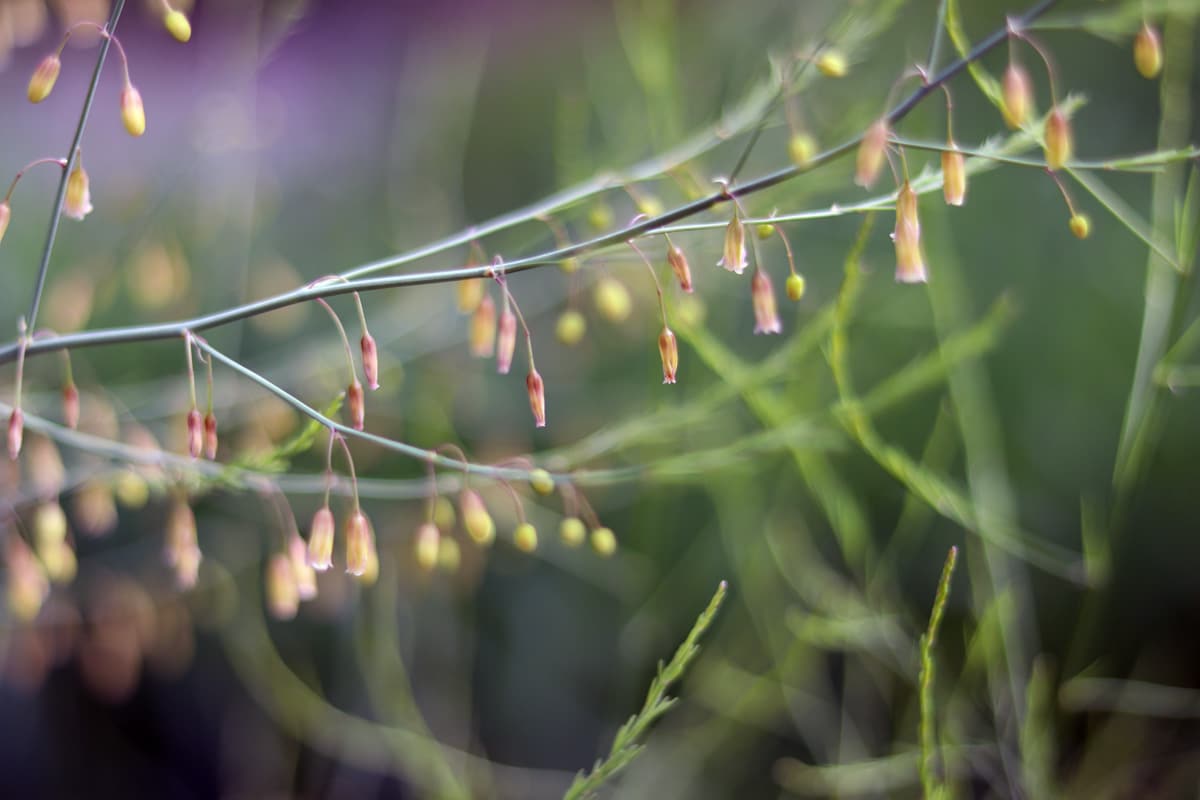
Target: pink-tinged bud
pixel 1059 141
pixel 356 403
pixel 476 519
pixel 506 340
pixel 1017 95
pixel 910 260
pixel 302 571
pixel 679 265
pixel 320 540
pixel 483 328
pixel 16 433
pixel 1147 51
pixel 426 545
pixel 871 153
pixel 195 433
pixel 5 216
pixel 283 596
pixel 43 78
pixel 954 175
pixel 70 405
pixel 537 397
pixel 470 294
pixel 370 359
pixel 210 436
pixel 26 581
pixel 177 24
pixel 762 293
pixel 78 202
pixel 668 349
pixel 187 568
pixel 733 257
pixel 360 544
pixel 133 113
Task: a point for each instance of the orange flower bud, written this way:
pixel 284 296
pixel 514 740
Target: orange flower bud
pixel 571 327
pixel 525 537
pixel 871 153
pixel 5 216
pixel 320 540
pixel 612 299
pixel 470 294
pixel 370 359
pixel 794 286
pixel 572 532
pixel 604 541
pixel 426 545
pixel 506 340
pixel 483 328
pixel 283 596
pixel 762 294
pixel 476 519
pixel 1059 143
pixel 78 202
pixel 733 257
pixel 1017 96
pixel 1080 225
pixel 360 544
pixel 537 397
pixel 195 433
pixel 1147 51
pixel 356 404
pixel 133 113
pixel 177 23
pixel 210 436
pixel 541 481
pixel 668 350
pixel 954 175
pixel 910 260
pixel 43 78
pixel 16 433
pixel 70 405
pixel 679 265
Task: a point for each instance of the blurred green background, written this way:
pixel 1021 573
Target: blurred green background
pixel 291 140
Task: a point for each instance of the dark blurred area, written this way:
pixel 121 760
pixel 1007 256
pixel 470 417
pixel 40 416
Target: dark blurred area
pixel 293 140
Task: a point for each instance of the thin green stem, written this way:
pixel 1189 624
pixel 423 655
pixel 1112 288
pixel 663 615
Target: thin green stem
pixel 61 196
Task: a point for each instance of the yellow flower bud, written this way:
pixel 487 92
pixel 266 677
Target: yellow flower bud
pixel 49 525
pixel 133 113
pixel 801 148
pixel 443 513
pixel 131 489
pixel 871 154
pixel 541 481
pixel 649 205
pixel 832 63
pixel 482 336
pixel 910 259
pixel 569 265
pixel 43 78
pixel 764 230
pixel 954 176
pixel 571 327
pixel 572 532
pixel 1059 143
pixel 1080 225
pixel 604 541
pixel 360 545
pixel 762 295
pixel 449 554
pixel 476 519
pixel 470 294
pixel 283 595
pixel 537 397
pixel 178 25
pixel 1147 51
pixel 426 545
pixel 794 287
pixel 525 537
pixel 78 203
pixel 1017 96
pixel 600 216
pixel 612 299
